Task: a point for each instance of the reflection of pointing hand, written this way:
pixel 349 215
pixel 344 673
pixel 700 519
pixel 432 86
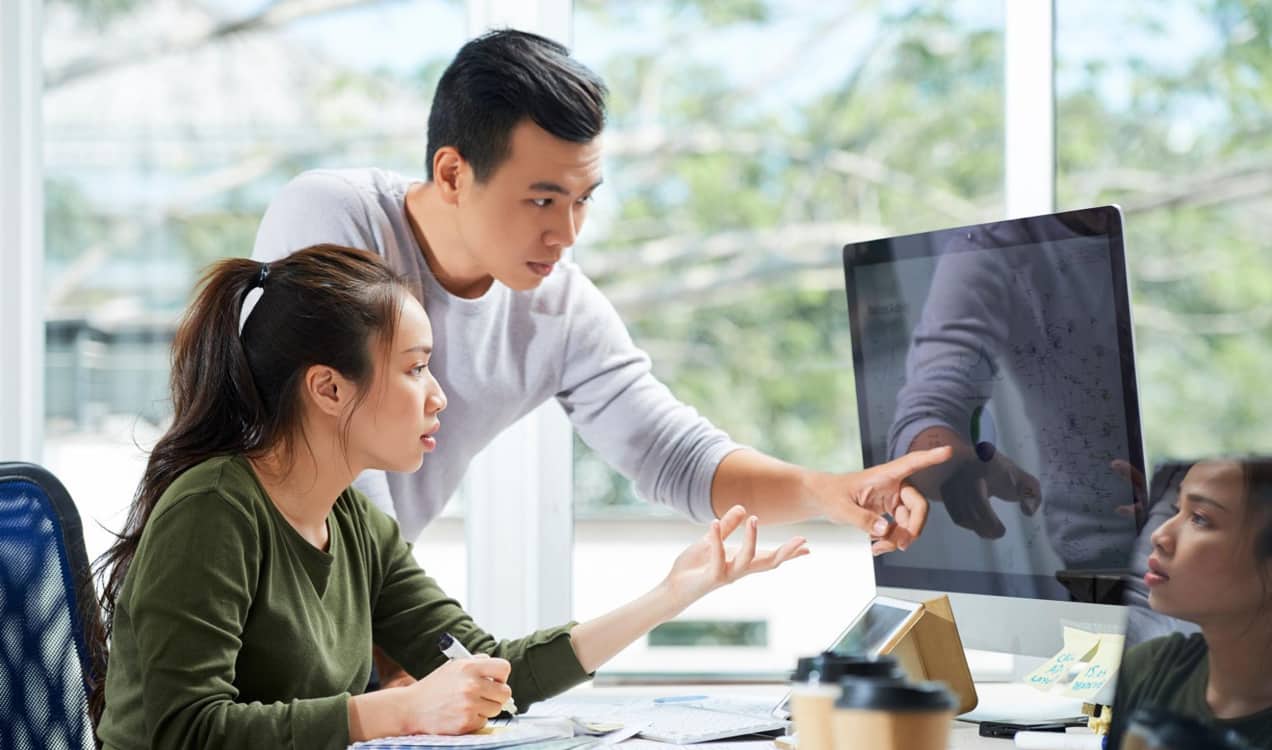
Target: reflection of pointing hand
pixel 1139 490
pixel 971 478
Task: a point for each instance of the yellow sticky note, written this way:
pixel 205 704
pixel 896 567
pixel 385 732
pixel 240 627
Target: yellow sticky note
pixel 1100 669
pixel 1079 646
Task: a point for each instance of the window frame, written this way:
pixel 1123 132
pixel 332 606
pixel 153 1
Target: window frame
pixel 21 232
pixel 519 523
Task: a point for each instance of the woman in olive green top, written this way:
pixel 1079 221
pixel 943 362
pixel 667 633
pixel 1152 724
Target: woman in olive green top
pixel 251 580
pixel 1212 565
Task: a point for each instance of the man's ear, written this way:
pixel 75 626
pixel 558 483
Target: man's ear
pixel 327 390
pixel 451 173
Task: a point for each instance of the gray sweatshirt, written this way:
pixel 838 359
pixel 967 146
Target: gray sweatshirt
pixel 500 356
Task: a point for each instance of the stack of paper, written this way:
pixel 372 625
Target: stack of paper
pixel 538 736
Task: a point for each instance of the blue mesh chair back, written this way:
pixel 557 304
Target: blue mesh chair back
pixel 47 608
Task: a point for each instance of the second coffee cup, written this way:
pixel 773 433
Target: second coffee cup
pixel 891 715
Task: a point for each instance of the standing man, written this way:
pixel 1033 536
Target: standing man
pixel 514 156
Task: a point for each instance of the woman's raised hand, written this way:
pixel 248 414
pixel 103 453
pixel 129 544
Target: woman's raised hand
pixel 706 565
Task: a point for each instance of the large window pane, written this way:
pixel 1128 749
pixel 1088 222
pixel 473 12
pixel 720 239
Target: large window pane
pixel 1164 109
pixel 748 142
pixel 162 151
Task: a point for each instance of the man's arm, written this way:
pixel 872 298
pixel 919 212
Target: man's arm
pixel 628 416
pixel 678 458
pixel 879 500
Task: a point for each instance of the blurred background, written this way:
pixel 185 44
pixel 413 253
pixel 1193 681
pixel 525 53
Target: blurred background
pixel 748 141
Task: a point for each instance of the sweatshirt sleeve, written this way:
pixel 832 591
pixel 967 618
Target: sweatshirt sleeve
pixel 631 418
pixel 191 587
pixel 953 358
pixel 410 612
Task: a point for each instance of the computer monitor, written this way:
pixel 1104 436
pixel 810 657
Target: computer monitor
pixel 1011 340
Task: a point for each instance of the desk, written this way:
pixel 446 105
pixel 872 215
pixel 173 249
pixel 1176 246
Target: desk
pixel 965 736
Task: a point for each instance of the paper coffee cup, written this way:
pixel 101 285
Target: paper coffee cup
pixel 815 688
pixel 891 715
pixel 811 708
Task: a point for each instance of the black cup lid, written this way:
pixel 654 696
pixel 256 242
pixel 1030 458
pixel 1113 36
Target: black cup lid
pixel 1169 730
pixel 829 667
pixel 887 695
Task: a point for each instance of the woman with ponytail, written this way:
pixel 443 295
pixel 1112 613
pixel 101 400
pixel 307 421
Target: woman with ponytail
pixel 244 594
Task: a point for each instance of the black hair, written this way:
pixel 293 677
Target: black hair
pixel 501 78
pixel 1256 475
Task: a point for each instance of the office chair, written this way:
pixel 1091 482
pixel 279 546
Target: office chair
pixel 47 611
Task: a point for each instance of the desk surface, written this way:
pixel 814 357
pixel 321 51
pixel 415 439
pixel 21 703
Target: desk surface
pixel 965 735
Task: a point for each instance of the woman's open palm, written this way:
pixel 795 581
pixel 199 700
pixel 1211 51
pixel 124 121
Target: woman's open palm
pixel 706 565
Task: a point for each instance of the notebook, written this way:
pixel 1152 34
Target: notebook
pixel 551 737
pixel 680 722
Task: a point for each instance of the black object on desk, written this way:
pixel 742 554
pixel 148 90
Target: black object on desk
pixel 1007 729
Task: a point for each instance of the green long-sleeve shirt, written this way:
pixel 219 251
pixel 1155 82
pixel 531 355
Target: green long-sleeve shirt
pixel 233 631
pixel 1171 673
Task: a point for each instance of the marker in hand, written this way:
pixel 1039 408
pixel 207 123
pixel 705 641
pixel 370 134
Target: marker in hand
pixel 453 649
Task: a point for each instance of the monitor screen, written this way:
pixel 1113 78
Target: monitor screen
pixel 1012 342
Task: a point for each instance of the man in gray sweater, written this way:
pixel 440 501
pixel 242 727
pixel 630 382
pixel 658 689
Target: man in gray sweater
pixel 514 144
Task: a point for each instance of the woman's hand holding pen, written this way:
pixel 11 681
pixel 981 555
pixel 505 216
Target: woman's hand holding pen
pixel 458 697
pixel 707 565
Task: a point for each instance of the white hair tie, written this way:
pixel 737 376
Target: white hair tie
pixel 253 296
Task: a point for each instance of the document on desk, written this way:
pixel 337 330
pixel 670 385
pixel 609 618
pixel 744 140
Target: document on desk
pixel 522 736
pixel 673 720
pixel 641 744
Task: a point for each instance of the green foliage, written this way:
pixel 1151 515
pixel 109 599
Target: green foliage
pixel 1184 157
pixel 708 13
pixel 912 138
pixel 70 223
pixel 765 353
pixel 100 13
pixel 723 252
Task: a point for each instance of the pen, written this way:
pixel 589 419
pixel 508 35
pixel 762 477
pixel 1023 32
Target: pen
pixel 680 699
pixel 1055 741
pixel 452 649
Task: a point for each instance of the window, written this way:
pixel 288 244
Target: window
pixel 161 152
pixel 710 633
pixel 748 141
pixel 1164 110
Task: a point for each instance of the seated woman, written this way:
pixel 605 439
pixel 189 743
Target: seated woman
pixel 1211 565
pixel 251 580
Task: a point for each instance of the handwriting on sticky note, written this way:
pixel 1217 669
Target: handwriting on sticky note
pixel 1079 647
pixel 1100 669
